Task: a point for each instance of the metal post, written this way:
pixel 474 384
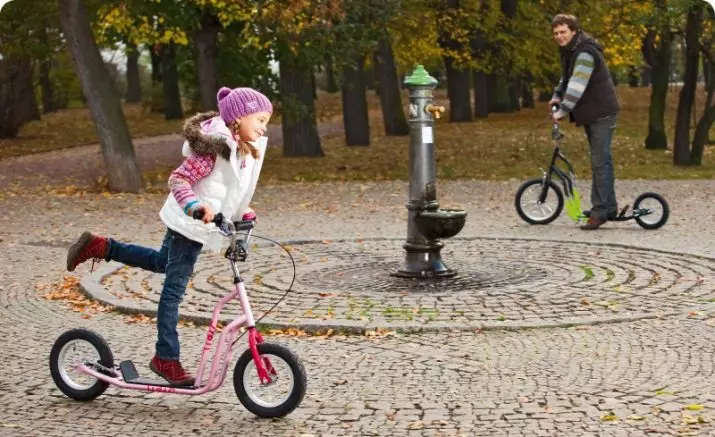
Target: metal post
pixel 426 223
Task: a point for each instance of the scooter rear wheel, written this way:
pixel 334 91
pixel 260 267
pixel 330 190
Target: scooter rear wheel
pixel 656 208
pixel 74 347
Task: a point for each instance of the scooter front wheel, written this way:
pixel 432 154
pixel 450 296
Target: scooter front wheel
pixel 285 391
pixel 531 210
pixel 652 210
pixel 74 347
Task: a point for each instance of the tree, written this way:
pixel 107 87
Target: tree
pixel 206 41
pixel 9 120
pixel 454 40
pixel 388 85
pixel 681 149
pixel 103 100
pixel 134 88
pixel 702 129
pixel 298 33
pixel 657 51
pixel 355 115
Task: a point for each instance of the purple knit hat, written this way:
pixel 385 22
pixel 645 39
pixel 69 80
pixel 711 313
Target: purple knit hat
pixel 239 102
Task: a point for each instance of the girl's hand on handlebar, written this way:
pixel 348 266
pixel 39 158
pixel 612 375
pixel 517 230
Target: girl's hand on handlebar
pixel 249 215
pixel 203 212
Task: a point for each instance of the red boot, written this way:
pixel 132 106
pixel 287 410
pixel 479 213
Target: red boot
pixel 88 246
pixel 172 371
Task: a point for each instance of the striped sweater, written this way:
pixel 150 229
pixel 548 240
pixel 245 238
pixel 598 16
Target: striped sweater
pixel 194 168
pixel 583 68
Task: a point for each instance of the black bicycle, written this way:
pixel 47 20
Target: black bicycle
pixel 539 201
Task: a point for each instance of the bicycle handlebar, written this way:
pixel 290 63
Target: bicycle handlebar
pixel 238 249
pixel 219 220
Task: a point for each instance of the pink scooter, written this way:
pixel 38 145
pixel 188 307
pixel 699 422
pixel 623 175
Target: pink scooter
pixel 269 379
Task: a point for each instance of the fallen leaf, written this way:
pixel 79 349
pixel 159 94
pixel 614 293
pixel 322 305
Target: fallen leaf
pixel 610 417
pixel 418 424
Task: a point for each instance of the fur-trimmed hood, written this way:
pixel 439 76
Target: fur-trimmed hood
pixel 207 134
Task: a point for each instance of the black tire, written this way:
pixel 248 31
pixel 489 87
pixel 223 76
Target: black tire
pixel 663 203
pixel 547 219
pixel 59 375
pixel 297 373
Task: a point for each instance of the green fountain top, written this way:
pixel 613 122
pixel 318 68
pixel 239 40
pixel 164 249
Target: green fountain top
pixel 420 77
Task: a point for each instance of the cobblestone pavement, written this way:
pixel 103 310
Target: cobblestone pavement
pixel 652 375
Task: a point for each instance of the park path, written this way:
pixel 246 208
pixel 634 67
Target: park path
pixel 83 165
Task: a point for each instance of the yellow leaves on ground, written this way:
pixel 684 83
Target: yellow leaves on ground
pixel 69 292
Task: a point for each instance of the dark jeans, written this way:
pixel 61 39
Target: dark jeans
pixel 176 258
pixel 603 191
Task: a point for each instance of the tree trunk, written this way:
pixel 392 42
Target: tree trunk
pixel 514 94
pixel 331 85
pixel 207 60
pixel 701 135
pixel 103 99
pixel 527 95
pixel 481 94
pixel 545 95
pixel 646 76
pixel 633 77
pixel 300 132
pixel 48 94
pixel 657 140
pixel 502 99
pixel 393 114
pixel 44 69
pixel 681 148
pixel 157 87
pixel 26 100
pixel 355 115
pixel 460 105
pixel 9 121
pixel 492 94
pixel 658 59
pixel 172 96
pixel 134 87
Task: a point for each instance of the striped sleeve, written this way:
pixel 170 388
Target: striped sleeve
pixel 192 170
pixel 583 68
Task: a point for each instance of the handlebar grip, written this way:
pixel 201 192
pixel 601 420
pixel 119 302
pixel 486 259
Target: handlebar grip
pixel 244 225
pixel 199 215
pixel 554 108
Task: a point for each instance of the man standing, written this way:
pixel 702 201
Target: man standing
pixel 586 93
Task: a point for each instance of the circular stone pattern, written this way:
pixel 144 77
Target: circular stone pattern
pixel 500 282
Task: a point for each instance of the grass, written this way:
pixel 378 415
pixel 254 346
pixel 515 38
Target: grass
pixel 74 127
pixel 503 146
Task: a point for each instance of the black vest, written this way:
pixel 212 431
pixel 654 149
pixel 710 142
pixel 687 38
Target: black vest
pixel 599 98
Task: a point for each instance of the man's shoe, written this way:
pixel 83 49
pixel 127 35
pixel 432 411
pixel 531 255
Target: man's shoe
pixel 88 246
pixel 611 215
pixel 592 224
pixel 172 371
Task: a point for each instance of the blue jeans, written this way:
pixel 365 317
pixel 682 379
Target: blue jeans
pixel 603 190
pixel 176 258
